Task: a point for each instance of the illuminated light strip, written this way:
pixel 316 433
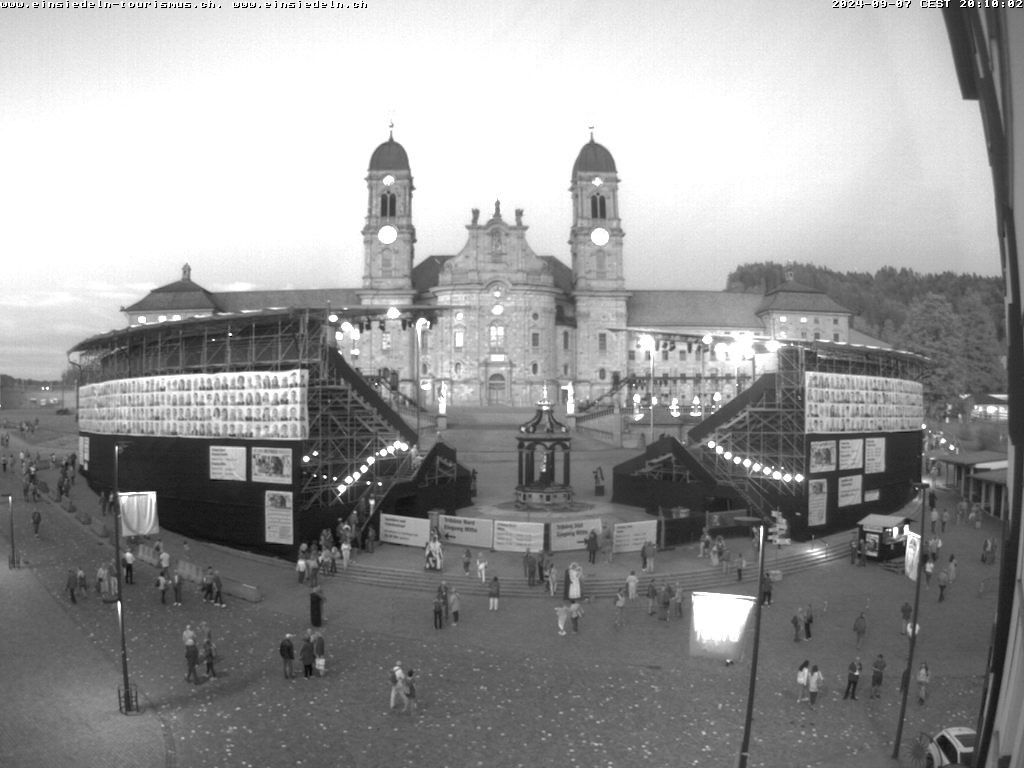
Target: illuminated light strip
pixel 755 467
pixel 368 462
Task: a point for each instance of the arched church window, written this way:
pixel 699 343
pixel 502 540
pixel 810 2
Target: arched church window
pixel 387 205
pixel 602 374
pixel 533 368
pixel 598 207
pixel 459 338
pixel 496 336
pixel 496 245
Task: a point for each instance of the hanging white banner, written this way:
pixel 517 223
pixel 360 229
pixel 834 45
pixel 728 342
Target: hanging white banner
pixel 138 513
pixel 913 555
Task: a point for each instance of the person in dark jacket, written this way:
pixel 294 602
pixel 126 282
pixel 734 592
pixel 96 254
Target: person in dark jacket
pixel 288 656
pixel 307 655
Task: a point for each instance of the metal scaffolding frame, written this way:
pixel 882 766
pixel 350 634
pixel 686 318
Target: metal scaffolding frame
pixel 348 421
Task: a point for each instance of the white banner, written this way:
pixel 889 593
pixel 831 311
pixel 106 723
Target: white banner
pixel 719 623
pixel 227 462
pixel 518 537
pixel 913 554
pixel 817 502
pixel 278 525
pixel 572 534
pixel 843 402
pixel 83 452
pixel 407 531
pixel 466 531
pixel 630 537
pixel 138 513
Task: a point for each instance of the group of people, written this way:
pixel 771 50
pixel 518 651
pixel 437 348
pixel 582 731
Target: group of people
pixel 192 638
pixel 334 550
pixel 312 654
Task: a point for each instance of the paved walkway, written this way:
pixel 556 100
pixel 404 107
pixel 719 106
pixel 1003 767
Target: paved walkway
pixel 501 689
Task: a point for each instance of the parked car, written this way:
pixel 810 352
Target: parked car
pixel 951 746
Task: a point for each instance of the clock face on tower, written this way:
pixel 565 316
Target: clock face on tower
pixel 387 234
pixel 388 180
pixel 599 236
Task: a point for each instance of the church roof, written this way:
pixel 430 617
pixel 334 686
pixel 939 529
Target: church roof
pixel 593 158
pixel 694 309
pixel 792 296
pixel 389 156
pixel 304 298
pixel 181 294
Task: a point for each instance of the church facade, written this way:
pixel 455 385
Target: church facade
pixel 500 324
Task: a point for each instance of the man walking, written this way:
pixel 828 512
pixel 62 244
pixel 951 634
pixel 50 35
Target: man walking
pixel 877 670
pixel 860 628
pixel 288 656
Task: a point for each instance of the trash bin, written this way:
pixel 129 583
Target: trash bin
pixel 315 609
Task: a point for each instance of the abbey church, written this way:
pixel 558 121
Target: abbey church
pixel 498 323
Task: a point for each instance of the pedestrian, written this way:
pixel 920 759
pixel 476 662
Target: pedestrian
pixel 410 691
pixel 798 623
pixel 129 567
pixel 37 518
pixel 592 546
pixel 218 587
pixel 319 653
pixel 561 615
pixel 177 584
pixel 766 596
pixel 924 677
pixel 943 583
pixel 944 519
pixel 162 584
pixel 551 577
pixel 741 563
pixel 287 651
pixel 438 611
pixel 961 510
pixel 300 568
pixel 952 568
pixel 101 579
pixel 493 593
pixel 481 568
pixel 652 596
pixel 620 603
pixel 575 614
pixel 853 551
pixel 852 678
pixel 397 679
pixel 307 656
pixel 665 596
pixel 632 582
pixel 191 663
pixel 72 584
pixel 530 568
pixel 467 560
pixel 651 551
pixel 860 628
pixel 929 568
pixel 877 672
pixel 209 654
pixel 808 620
pixel 677 599
pixel 607 544
pixel 453 606
pixel 932 501
pixel 165 562
pixel 814 683
pixel 346 553
pixel 803 674
pixel 905 613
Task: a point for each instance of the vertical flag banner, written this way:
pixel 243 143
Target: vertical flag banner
pixel 138 513
pixel 719 623
pixel 913 555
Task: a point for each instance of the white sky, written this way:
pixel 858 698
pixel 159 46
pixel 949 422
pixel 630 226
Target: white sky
pixel 132 141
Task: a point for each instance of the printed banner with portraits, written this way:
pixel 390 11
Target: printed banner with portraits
pixel 843 402
pixel 260 405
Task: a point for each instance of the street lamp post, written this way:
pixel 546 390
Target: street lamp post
pixel 749 717
pixel 126 698
pixel 912 630
pixel 12 562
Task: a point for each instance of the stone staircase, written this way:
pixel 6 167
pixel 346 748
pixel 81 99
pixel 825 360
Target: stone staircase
pixel 779 563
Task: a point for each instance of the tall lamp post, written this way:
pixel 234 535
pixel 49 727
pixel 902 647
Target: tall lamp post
pixel 751 686
pixel 912 630
pixel 12 562
pixel 126 701
pixel 648 344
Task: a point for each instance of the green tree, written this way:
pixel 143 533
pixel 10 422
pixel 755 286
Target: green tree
pixel 933 329
pixel 983 353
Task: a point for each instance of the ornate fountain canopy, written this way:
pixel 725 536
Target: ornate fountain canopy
pixel 544 419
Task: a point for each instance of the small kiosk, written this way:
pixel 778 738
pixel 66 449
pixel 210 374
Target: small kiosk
pixel 884 536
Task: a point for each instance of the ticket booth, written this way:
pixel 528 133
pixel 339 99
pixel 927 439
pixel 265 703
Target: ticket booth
pixel 884 537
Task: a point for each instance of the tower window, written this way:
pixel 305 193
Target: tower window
pixel 534 340
pixel 385 341
pixel 496 336
pixel 602 342
pixel 496 245
pixel 598 207
pixel 387 205
pixel 565 339
pixel 533 368
pixel 459 338
pixel 602 374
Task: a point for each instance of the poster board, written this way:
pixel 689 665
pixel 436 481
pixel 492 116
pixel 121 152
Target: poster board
pixel 817 502
pixel 466 531
pixel 850 491
pixel 271 465
pixel 518 537
pixel 227 462
pixel 565 535
pixel 406 531
pixel 630 537
pixel 278 523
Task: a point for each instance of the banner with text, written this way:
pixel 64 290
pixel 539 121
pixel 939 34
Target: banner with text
pixel 572 534
pixel 466 531
pixel 518 537
pixel 630 537
pixel 407 531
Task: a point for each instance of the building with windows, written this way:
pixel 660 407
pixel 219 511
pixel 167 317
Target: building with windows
pixel 506 322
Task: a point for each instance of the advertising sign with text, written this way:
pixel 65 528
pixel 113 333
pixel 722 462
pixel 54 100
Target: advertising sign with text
pixel 630 537
pixel 572 534
pixel 466 531
pixel 518 537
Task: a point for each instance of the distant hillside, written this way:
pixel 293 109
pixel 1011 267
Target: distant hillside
pixel 957 320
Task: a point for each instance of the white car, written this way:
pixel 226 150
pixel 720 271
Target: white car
pixel 951 746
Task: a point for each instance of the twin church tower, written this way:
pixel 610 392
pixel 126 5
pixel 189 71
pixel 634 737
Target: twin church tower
pixel 506 320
